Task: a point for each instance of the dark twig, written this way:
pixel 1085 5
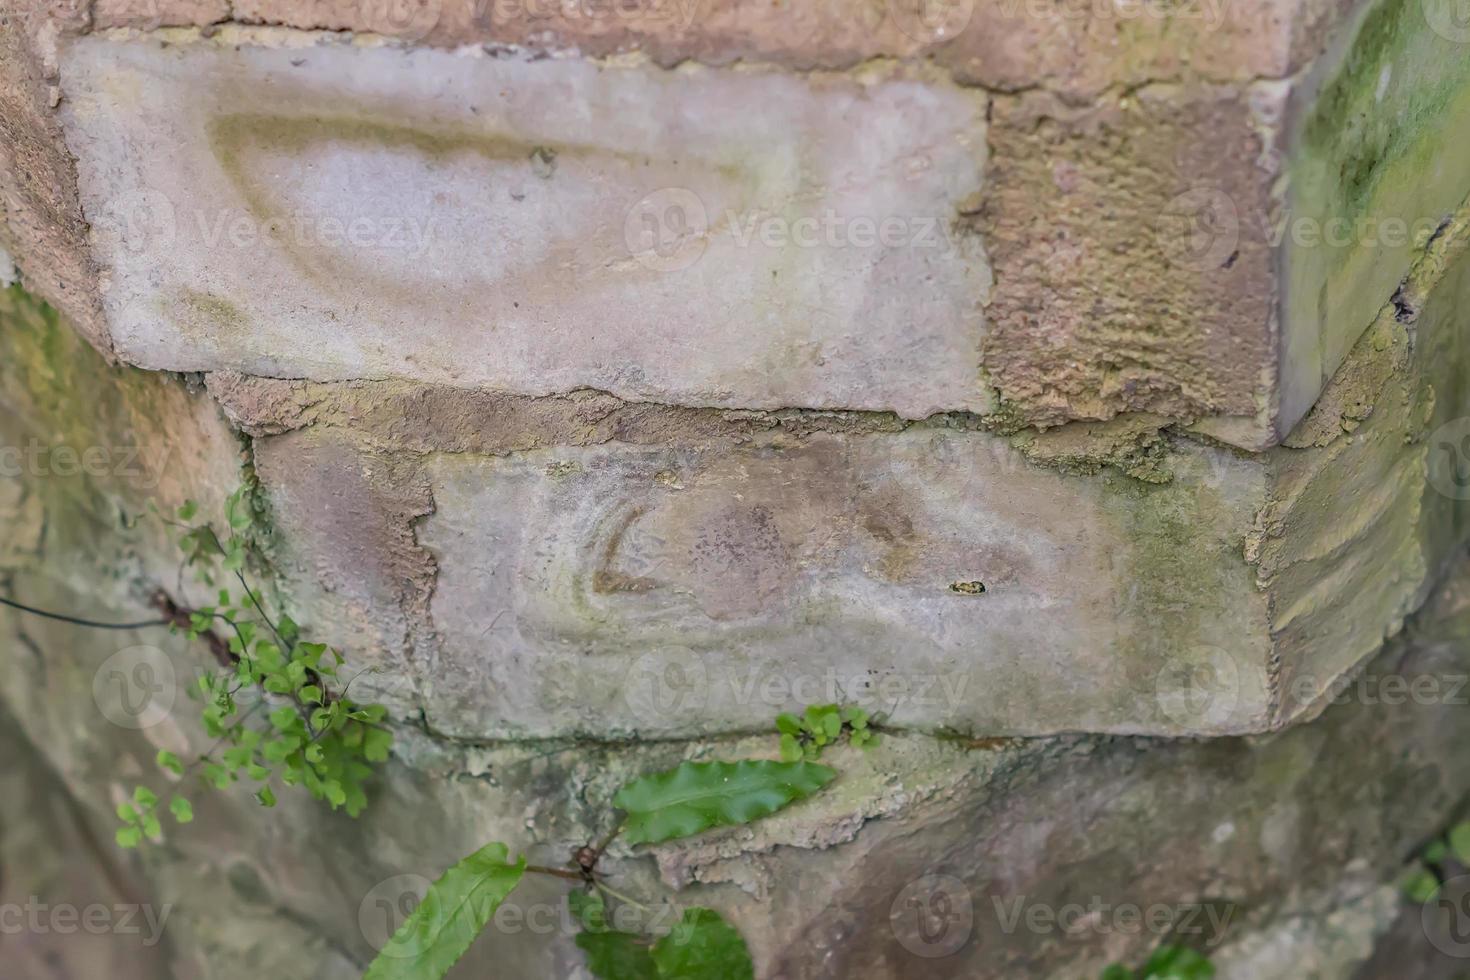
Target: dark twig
pixel 77 621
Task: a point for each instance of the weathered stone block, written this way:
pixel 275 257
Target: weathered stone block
pixel 536 225
pixel 581 564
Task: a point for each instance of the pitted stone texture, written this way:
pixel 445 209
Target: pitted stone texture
pixel 1104 302
pixel 42 226
pixel 1075 48
pixel 536 225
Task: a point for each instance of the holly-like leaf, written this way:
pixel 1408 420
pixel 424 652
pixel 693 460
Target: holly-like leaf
pixel 703 946
pixel 1177 963
pixel 454 911
pixel 699 795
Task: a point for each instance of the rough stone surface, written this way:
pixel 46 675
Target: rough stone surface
pixel 43 223
pixel 536 225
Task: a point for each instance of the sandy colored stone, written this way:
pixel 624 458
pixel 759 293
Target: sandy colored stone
pixel 43 230
pixel 536 226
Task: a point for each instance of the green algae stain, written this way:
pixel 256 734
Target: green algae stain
pixel 1395 87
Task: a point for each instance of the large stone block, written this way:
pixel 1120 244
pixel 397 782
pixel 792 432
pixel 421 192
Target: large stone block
pixel 577 565
pixel 536 225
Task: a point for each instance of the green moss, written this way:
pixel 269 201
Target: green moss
pixel 1361 134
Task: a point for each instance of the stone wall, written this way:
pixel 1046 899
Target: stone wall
pixel 1082 389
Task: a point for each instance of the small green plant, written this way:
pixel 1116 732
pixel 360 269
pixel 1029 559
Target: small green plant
pixel 804 736
pixel 274 704
pixel 1422 880
pixel 680 802
pixel 1166 963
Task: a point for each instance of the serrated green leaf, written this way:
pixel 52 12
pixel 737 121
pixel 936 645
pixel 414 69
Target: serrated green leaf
pixel 618 956
pixel 167 760
pixel 454 911
pixel 1459 841
pixel 699 795
pixel 129 836
pixel 1176 963
pixel 126 813
pixel 151 826
pixel 703 946
pixel 145 798
pixel 182 809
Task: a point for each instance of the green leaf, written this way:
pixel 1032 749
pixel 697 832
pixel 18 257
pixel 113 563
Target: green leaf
pixel 589 909
pixel 618 956
pixel 457 907
pixel 703 946
pixel 375 744
pixel 1116 971
pixel 237 510
pixel 265 797
pixel 790 749
pixel 699 795
pixel 151 826
pixel 311 694
pixel 1420 885
pixel 145 798
pixel 182 809
pixel 284 718
pixel 1176 963
pixel 167 760
pixel 1459 841
pixel 788 724
pixel 188 510
pixel 129 836
pixel 126 813
pixel 1435 852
